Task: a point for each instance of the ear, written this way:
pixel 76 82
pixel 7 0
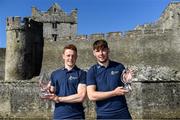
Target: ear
pixel 63 56
pixel 94 52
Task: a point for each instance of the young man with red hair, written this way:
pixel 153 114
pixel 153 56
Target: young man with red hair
pixel 68 85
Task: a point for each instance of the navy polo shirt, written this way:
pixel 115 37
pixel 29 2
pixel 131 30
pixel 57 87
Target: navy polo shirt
pixel 66 83
pixel 107 79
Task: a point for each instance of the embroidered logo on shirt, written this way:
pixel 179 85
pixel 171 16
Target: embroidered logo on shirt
pixel 114 72
pixel 98 66
pixel 72 78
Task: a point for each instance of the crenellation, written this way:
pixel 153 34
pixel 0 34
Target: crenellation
pixel 96 36
pixel 168 31
pixel 133 33
pixel 35 12
pixel 56 23
pixel 149 32
pixel 159 31
pixel 81 37
pixel 54 14
pixel 146 26
pixel 14 23
pixel 55 9
pixel 114 35
pixel 73 13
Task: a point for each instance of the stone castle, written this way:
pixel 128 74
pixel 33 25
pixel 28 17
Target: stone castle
pixel 35 43
pixel 25 39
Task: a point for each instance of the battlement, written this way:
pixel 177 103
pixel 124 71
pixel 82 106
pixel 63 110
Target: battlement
pixel 81 37
pixel 114 35
pixel 14 23
pixel 59 16
pixel 147 26
pixel 96 36
pixel 144 32
pixel 35 11
pixel 133 34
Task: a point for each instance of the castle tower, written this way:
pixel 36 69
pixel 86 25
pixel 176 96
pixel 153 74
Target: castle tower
pixel 15 35
pixel 24 48
pixel 56 23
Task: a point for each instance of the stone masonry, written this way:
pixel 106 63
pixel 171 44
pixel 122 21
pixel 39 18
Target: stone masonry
pixel 152 50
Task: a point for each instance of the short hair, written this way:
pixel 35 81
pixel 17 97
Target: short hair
pixel 71 47
pixel 100 44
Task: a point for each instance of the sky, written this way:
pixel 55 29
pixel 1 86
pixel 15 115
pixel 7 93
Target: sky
pixel 94 16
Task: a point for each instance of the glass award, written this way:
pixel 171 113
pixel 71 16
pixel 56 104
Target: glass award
pixel 126 78
pixel 44 84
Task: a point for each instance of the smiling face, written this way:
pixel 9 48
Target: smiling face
pixel 69 57
pixel 101 51
pixel 102 55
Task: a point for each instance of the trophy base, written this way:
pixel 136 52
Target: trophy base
pixel 45 95
pixel 128 87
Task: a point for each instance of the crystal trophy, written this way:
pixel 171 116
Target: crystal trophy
pixel 126 78
pixel 44 85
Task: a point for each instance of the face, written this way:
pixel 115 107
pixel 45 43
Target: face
pixel 69 57
pixel 101 55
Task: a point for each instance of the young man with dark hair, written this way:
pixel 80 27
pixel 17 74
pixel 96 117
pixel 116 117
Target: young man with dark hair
pixel 68 87
pixel 104 85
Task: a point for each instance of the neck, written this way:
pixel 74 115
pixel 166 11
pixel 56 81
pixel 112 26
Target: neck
pixel 105 64
pixel 69 67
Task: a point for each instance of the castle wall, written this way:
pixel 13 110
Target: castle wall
pixel 158 99
pixel 152 53
pixel 2 63
pixel 149 47
pixel 170 18
pixel 151 50
pixel 156 83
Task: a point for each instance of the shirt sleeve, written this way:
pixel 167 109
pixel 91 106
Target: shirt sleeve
pixel 52 80
pixel 121 67
pixel 83 77
pixel 90 79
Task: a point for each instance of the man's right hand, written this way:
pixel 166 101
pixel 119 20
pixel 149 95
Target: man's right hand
pixel 52 97
pixel 120 91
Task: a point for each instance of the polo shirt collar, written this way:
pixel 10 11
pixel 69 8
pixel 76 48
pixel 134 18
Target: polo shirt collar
pixel 101 66
pixel 73 69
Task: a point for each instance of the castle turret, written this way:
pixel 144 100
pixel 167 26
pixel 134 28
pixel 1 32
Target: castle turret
pixel 15 35
pixel 56 23
pixel 24 48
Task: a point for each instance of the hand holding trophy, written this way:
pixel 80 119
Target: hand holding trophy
pixel 126 78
